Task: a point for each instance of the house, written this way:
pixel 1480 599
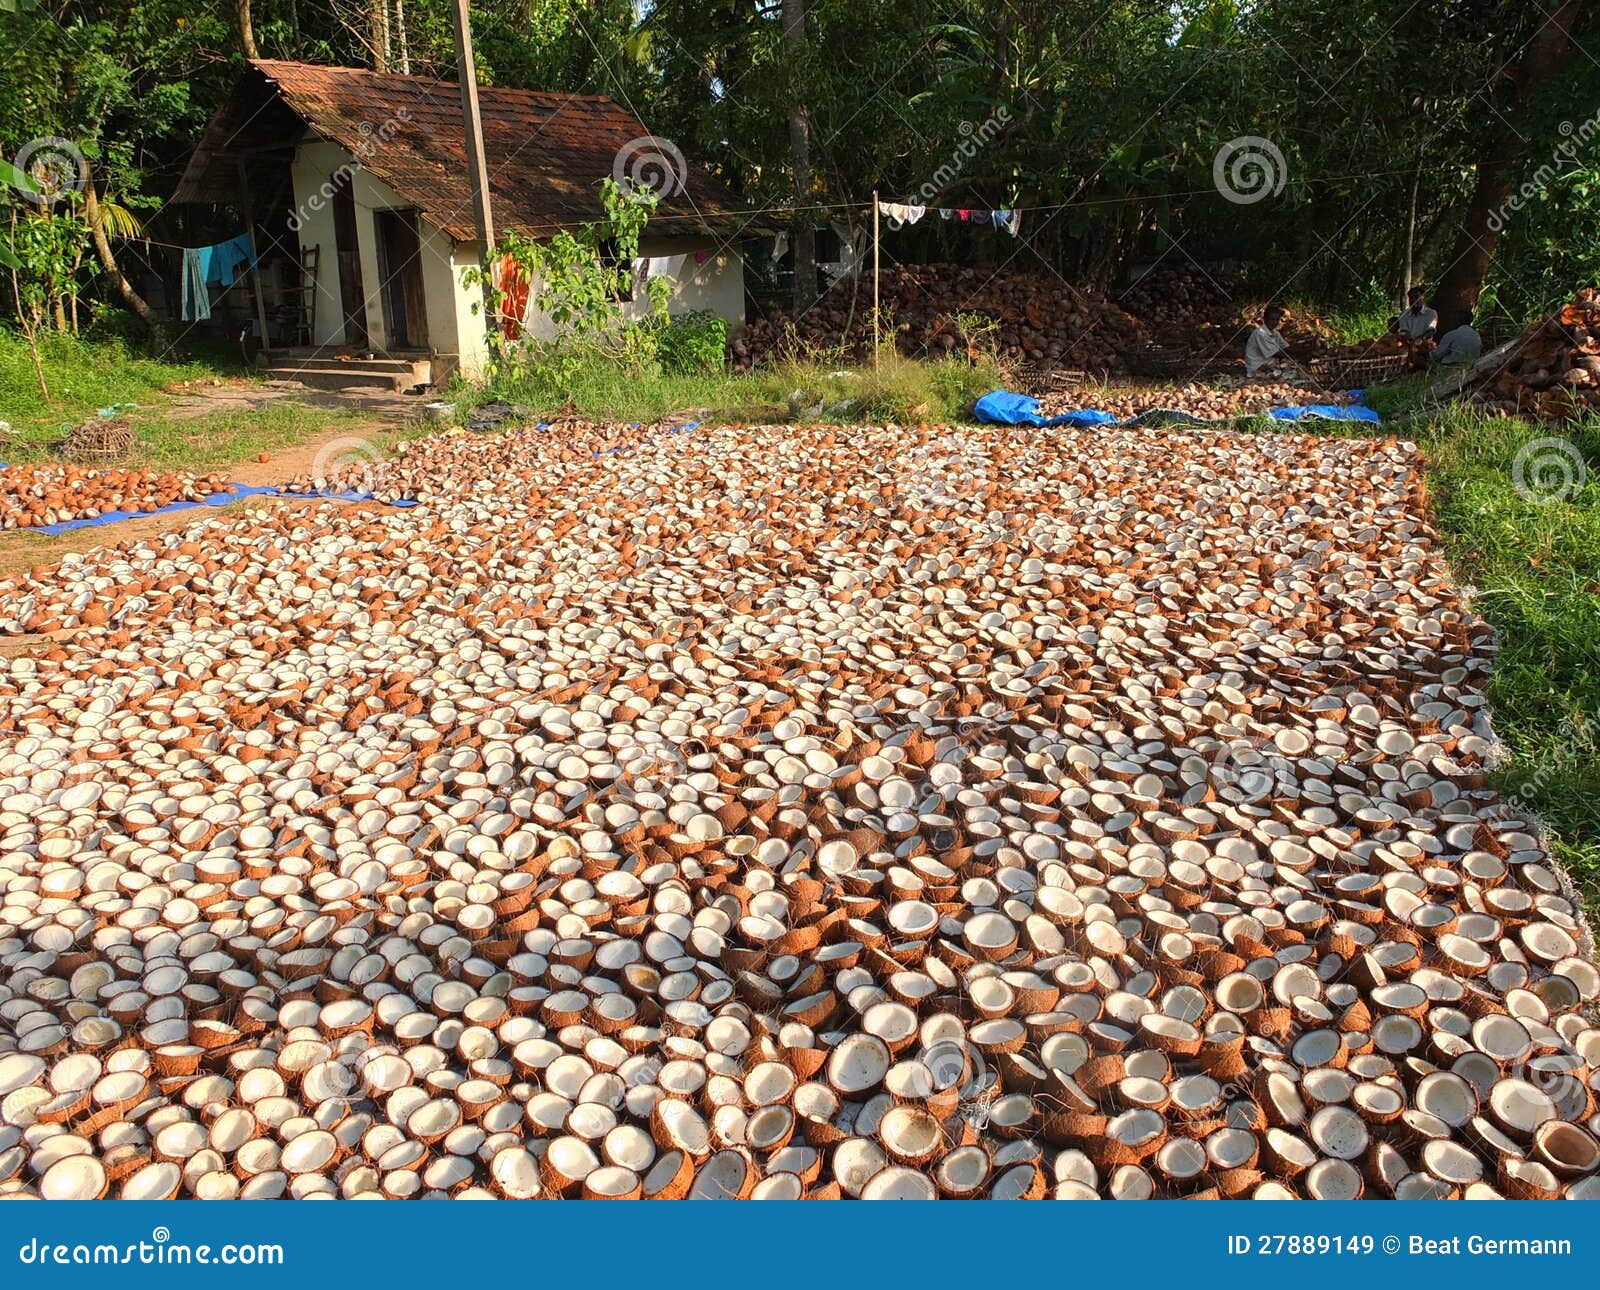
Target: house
pixel 356 187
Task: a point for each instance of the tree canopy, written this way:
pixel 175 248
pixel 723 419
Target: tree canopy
pixel 1380 137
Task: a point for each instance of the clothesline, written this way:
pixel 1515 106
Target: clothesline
pixel 902 213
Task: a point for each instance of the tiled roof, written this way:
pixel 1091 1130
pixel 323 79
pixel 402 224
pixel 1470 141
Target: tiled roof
pixel 546 152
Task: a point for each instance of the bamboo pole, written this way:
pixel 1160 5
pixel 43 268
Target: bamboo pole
pixel 875 339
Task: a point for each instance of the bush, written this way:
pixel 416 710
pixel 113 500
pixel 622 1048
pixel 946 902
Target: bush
pixel 696 342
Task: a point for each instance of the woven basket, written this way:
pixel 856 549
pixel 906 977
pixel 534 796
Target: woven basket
pixel 97 442
pixel 1160 362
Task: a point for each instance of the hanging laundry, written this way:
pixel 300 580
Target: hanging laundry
pixel 947 214
pixel 1011 221
pixel 901 212
pixel 964 215
pixel 195 294
pixel 514 289
pixel 780 246
pixel 226 257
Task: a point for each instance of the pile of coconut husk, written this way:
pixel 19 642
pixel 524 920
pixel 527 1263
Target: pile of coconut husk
pixel 1021 317
pixel 1553 369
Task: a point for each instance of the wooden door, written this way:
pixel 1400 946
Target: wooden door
pixel 400 265
pixel 352 290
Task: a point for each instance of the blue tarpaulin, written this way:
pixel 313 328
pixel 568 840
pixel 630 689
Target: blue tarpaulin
pixel 1002 407
pixel 1327 412
pixel 233 493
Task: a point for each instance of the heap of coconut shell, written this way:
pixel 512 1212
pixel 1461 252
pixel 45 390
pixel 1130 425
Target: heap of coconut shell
pixel 1553 369
pixel 1196 399
pixel 784 812
pixel 1035 320
pixel 35 496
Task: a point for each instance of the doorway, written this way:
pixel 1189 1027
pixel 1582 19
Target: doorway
pixel 352 290
pixel 400 269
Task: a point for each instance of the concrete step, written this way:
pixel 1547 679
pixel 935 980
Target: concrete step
pixel 394 374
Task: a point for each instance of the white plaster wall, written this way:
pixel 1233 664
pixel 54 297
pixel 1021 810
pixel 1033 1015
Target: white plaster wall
pixel 715 284
pixel 315 162
pixel 472 338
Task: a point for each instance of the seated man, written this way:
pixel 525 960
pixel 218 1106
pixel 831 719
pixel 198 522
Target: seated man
pixel 1264 351
pixel 1459 346
pixel 1417 322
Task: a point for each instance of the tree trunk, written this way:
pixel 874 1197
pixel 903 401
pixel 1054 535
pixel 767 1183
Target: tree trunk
pixel 805 237
pixel 247 29
pixel 28 330
pixel 102 248
pixel 402 45
pixel 1410 274
pixel 379 15
pixel 1497 168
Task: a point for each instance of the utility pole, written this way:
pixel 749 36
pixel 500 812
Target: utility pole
pixel 478 169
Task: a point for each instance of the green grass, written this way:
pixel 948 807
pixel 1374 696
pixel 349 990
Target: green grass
pixel 899 389
pixel 85 375
pixel 213 440
pixel 1536 569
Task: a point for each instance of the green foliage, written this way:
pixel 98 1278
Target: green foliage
pixel 693 342
pixel 84 375
pixel 902 390
pixel 579 280
pixel 1536 567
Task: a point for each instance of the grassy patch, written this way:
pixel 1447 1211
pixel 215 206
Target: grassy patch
pixel 215 439
pixel 1533 557
pixel 899 389
pixel 84 376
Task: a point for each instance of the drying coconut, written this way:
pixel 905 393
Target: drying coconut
pixel 35 496
pixel 783 813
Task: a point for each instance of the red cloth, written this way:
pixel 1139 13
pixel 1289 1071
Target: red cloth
pixel 513 297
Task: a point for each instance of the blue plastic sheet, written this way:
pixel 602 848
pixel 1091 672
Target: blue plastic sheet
pixel 1002 407
pixel 229 495
pixel 1327 412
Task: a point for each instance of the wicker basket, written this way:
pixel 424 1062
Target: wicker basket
pixel 98 442
pixel 1160 362
pixel 1374 369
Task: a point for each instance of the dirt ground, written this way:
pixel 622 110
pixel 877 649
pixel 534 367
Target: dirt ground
pixel 232 396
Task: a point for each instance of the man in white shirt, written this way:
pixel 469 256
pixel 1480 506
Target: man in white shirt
pixel 1266 345
pixel 1417 322
pixel 1460 346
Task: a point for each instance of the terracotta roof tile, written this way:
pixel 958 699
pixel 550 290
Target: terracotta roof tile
pixel 546 152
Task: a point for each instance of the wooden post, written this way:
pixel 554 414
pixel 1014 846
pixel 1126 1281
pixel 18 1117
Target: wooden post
pixel 477 167
pixel 255 254
pixel 876 343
